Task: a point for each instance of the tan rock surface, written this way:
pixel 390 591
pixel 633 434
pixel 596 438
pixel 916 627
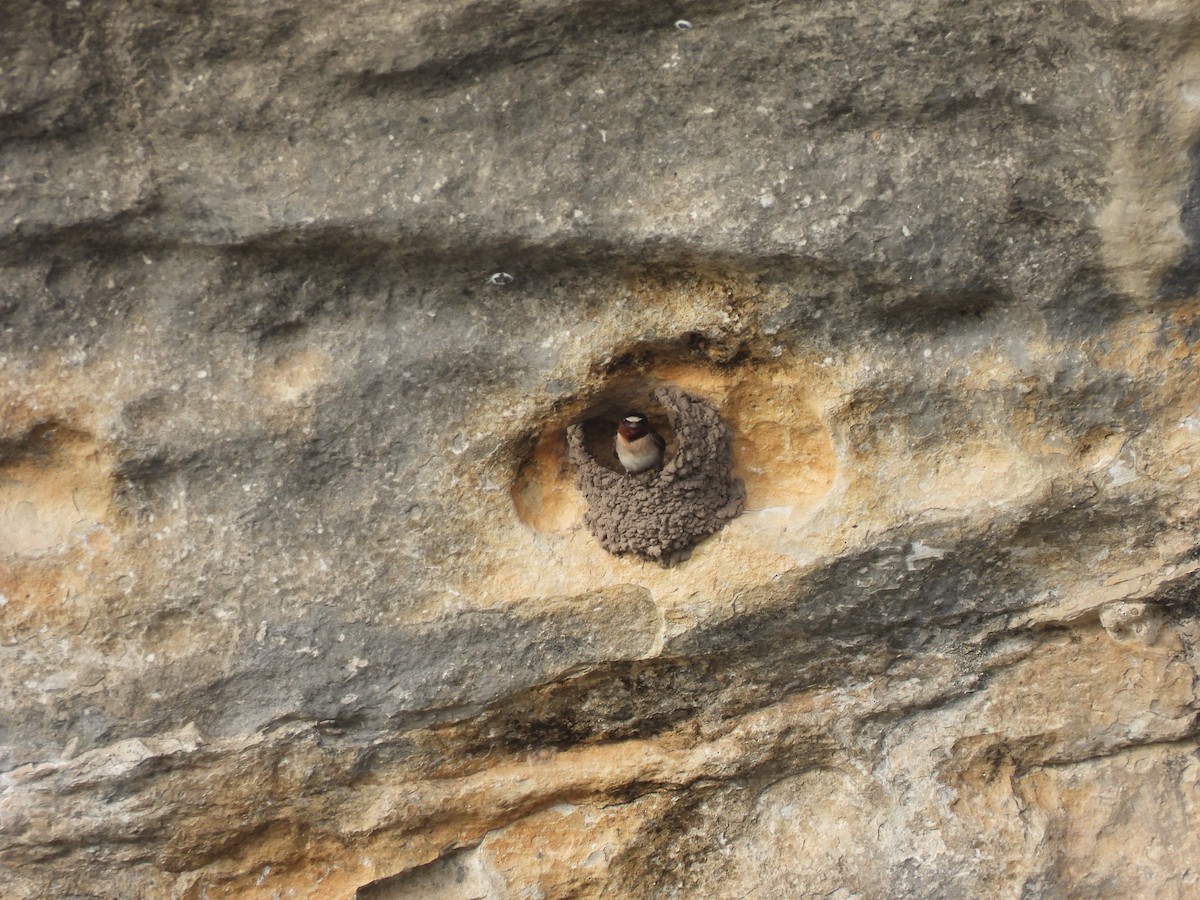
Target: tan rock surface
pixel 295 594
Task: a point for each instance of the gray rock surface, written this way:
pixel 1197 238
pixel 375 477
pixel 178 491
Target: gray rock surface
pixel 294 589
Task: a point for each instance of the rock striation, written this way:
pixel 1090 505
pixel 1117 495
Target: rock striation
pixel 297 306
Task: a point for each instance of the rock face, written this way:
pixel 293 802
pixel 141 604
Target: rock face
pixel 295 595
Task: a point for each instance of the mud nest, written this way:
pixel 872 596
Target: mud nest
pixel 662 515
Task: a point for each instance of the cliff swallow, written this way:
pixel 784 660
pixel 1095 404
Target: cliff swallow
pixel 639 447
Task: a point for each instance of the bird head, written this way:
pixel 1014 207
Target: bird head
pixel 633 425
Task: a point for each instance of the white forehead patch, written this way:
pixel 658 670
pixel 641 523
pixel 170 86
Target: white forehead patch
pixel 633 420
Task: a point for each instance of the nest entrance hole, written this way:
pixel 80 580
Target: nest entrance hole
pixel 599 423
pixel 543 492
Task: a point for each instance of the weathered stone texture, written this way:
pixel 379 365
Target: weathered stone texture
pixel 295 594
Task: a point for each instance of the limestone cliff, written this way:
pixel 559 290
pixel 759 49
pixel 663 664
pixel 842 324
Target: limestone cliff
pixel 299 302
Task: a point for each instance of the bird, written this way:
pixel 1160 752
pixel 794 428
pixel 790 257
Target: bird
pixel 639 447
